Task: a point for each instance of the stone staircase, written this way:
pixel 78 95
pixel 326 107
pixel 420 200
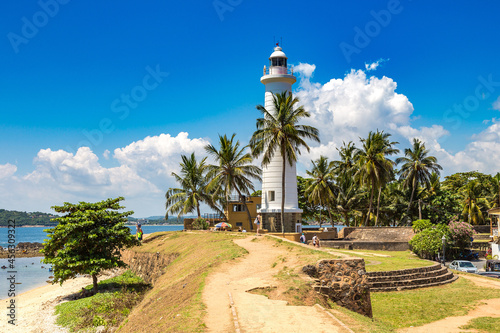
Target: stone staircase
pixel 412 278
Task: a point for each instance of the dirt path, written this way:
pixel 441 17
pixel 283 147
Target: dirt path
pixel 488 308
pixel 256 313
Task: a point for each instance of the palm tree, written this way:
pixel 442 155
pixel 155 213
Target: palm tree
pixel 417 167
pixel 233 170
pixel 193 182
pixel 278 133
pixel 320 187
pixel 348 197
pixel 374 169
pixel 346 163
pixel 473 202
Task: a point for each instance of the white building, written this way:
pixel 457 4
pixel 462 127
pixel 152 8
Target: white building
pixel 278 78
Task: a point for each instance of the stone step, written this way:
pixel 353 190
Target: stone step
pixel 410 276
pixel 414 286
pixel 407 271
pixel 421 281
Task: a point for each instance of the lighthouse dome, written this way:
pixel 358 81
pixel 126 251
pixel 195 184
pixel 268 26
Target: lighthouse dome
pixel 278 53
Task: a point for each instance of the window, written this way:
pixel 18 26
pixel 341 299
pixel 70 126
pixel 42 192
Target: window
pixel 238 208
pixel 271 195
pixel 239 224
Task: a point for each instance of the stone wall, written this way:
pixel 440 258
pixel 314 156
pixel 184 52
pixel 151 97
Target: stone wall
pixel 148 266
pixel 345 282
pixel 374 246
pixel 272 221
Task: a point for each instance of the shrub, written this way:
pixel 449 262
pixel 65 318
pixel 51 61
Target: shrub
pixel 461 234
pixel 200 224
pixel 420 225
pixel 427 243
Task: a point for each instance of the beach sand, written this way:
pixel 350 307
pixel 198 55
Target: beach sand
pixel 35 308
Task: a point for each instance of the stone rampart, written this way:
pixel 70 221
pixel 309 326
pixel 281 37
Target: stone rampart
pixel 345 282
pixel 148 266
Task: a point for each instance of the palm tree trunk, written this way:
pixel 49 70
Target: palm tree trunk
pixel 283 194
pixel 198 209
pixel 411 198
pixel 246 208
pixel 320 215
pixel 378 204
pixel 369 207
pixel 419 209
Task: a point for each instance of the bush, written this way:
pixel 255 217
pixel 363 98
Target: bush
pixel 420 225
pixel 200 224
pixel 428 243
pixel 461 234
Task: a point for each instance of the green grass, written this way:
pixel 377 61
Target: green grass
pixel 483 324
pixel 418 307
pixel 389 261
pixel 108 308
pixel 175 303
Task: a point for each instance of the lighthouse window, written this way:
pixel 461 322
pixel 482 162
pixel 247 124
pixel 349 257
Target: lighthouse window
pixel 278 62
pixel 271 195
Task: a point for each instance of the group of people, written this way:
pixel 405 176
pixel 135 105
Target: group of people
pixel 315 240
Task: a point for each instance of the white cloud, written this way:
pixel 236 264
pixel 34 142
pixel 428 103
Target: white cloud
pixel 142 177
pixel 306 70
pixel 106 154
pixel 374 65
pixel 7 170
pixel 496 104
pixel 346 109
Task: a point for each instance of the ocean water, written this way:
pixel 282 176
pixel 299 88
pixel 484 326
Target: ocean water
pixel 30 272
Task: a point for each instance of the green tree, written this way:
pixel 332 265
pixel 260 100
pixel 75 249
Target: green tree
pixel 417 168
pixel 321 188
pixel 193 182
pixel 279 133
pixel 374 169
pixel 473 202
pixel 307 207
pixel 233 171
pixel 88 239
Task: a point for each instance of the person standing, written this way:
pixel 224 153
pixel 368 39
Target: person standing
pixel 303 238
pixel 257 223
pixel 139 232
pixel 315 241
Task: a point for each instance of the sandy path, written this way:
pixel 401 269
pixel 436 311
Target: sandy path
pixel 35 308
pixel 256 313
pixel 488 308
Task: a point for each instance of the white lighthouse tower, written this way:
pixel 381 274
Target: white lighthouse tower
pixel 277 79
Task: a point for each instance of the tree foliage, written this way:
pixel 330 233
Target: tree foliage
pixel 461 234
pixel 88 239
pixel 428 242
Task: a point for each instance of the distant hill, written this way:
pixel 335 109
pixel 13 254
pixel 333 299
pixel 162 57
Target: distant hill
pixel 26 218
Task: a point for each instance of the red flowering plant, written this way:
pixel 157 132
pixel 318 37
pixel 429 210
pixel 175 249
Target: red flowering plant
pixel 461 234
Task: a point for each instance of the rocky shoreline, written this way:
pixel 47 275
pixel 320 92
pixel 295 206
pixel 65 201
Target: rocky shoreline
pixel 23 250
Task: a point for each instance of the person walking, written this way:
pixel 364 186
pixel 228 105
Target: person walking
pixel 257 223
pixel 303 238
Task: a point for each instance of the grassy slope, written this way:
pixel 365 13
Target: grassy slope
pixel 174 304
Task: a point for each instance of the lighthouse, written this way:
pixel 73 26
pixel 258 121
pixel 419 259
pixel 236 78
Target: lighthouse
pixel 277 79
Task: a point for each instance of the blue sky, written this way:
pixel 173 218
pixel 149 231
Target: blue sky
pixel 194 68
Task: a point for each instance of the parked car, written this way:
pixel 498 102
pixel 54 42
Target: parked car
pixel 490 274
pixel 493 265
pixel 463 266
